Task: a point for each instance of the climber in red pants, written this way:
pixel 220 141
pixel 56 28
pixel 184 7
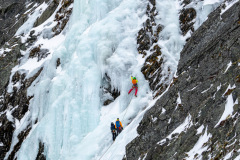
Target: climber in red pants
pixel 134 82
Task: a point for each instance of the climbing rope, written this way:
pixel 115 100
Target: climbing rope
pixel 106 151
pixel 122 120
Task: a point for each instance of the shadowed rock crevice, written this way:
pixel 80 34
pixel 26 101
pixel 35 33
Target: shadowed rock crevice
pixel 108 93
pixel 40 155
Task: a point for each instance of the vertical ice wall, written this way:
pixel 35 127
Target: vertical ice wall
pixel 66 105
pixel 66 100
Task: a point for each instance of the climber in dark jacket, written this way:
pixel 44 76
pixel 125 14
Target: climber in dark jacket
pixel 113 130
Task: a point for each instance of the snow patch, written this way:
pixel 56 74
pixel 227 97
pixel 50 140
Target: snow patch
pixel 163 110
pixel 207 89
pixel 199 147
pixel 9 116
pixel 28 25
pixel 181 128
pixel 200 129
pixel 203 9
pixel 228 156
pixel 228 109
pixel 228 5
pixel 228 66
pixel 178 101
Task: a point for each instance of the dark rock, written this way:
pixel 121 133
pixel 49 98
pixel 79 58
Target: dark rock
pixel 186 20
pixel 39 53
pixel 46 14
pixel 58 62
pixel 21 138
pixel 40 155
pixel 18 103
pixel 7 62
pixel 6 132
pixel 108 93
pixel 62 16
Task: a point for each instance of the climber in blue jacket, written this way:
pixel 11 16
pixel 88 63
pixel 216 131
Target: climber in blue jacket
pixel 113 130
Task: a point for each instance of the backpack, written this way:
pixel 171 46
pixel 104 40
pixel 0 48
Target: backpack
pixel 118 124
pixel 134 81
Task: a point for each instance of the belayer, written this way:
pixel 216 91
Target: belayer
pixel 118 126
pixel 113 130
pixel 134 82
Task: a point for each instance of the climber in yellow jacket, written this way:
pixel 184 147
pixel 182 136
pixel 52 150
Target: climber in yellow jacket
pixel 134 82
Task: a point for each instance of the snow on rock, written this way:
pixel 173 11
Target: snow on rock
pixel 200 129
pixel 199 147
pixel 28 25
pixel 203 8
pixel 228 4
pixel 228 156
pixel 179 102
pixel 228 106
pixel 181 128
pixel 228 66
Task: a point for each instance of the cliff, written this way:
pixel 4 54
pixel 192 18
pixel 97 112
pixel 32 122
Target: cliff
pixel 198 116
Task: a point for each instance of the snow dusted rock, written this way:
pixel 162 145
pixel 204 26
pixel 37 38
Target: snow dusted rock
pixel 47 13
pixel 198 117
pixel 186 19
pixel 148 46
pixel 9 59
pixel 14 102
pixel 62 16
pixel 13 13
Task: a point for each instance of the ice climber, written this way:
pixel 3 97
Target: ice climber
pixel 119 126
pixel 134 82
pixel 113 130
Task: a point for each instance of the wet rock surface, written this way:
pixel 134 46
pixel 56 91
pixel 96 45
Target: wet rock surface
pixel 208 77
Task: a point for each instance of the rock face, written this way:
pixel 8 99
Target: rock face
pixel 208 81
pixel 14 104
pixel 147 42
pixel 12 16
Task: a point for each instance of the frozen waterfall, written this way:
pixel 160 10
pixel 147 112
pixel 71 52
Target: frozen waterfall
pixel 66 112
